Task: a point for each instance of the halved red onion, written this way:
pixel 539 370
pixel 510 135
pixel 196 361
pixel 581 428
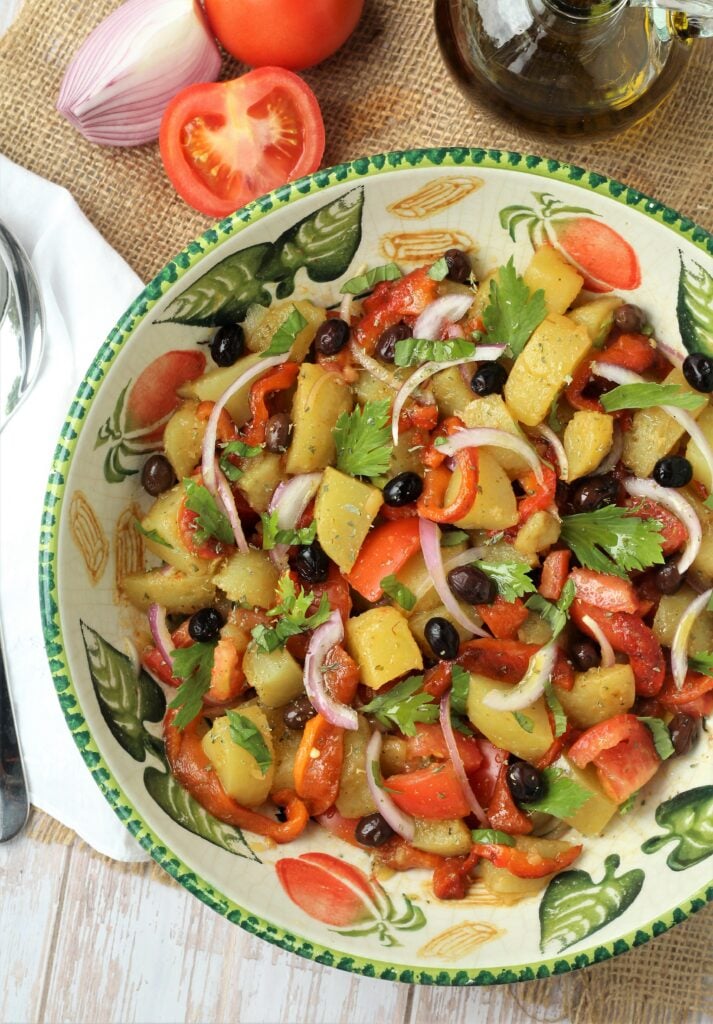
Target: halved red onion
pixel 476 437
pixel 679 645
pixel 159 632
pixel 402 823
pixel 227 500
pixel 290 499
pixel 324 638
pixel 558 448
pixel 677 504
pixel 610 461
pixel 447 309
pixel 431 547
pixel 444 716
pixel 608 657
pixel 211 431
pixel 531 686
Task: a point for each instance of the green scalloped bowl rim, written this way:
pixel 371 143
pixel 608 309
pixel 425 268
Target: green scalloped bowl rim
pixel 86 393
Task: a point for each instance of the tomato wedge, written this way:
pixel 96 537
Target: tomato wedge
pixel 433 792
pixel 622 750
pixel 224 143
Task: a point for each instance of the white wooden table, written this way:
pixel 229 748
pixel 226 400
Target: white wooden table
pixel 88 941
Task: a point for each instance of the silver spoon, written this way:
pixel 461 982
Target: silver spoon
pixel 21 341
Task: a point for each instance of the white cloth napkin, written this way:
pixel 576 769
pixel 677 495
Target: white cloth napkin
pixel 85 287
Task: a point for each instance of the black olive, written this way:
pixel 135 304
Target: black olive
pixel 472 585
pixel 698 371
pixel 311 564
pixel 157 475
pixel 683 730
pixel 489 379
pixel 593 492
pixel 459 268
pixel 298 712
pixel 331 337
pixel 442 637
pixel 525 782
pixel 673 471
pixel 668 580
pixel 373 830
pixel 563 498
pixel 629 319
pixel 205 625
pixel 584 654
pixel 403 489
pixel 277 432
pixel 386 345
pixel 228 345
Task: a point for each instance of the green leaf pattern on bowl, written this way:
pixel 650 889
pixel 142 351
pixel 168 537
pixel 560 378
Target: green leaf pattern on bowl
pixel 695 307
pixel 688 821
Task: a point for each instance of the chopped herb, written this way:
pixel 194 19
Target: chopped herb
pixel 644 395
pixel 414 351
pixel 365 282
pixel 378 777
pixel 438 270
pixel 284 337
pixel 244 733
pixel 701 662
pixel 460 687
pixel 608 540
pixel 194 666
pixel 210 521
pixel 555 615
pixel 487 836
pixel 452 538
pixel 661 736
pixel 513 312
pixel 153 535
pixel 709 501
pixel 404 706
pixel 558 714
pixel 511 578
pixel 363 440
pixel 524 721
pixel 272 535
pixel 553 420
pixel 293 608
pixel 628 803
pixel 400 593
pixel 563 796
pixel 244 451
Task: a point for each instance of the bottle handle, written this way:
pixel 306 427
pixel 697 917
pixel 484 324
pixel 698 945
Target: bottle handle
pixel 687 19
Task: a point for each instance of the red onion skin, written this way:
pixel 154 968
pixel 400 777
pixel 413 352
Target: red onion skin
pixel 323 639
pixel 457 761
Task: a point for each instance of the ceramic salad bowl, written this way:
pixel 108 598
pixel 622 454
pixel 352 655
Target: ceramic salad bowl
pixel 653 866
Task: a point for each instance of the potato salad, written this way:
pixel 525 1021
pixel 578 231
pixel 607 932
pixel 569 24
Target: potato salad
pixel 432 568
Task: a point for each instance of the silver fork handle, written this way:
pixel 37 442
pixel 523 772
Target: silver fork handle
pixel 14 804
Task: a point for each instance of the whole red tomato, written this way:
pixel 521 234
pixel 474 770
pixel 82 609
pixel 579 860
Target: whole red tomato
pixel 292 34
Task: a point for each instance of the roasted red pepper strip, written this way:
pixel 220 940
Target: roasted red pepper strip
pixel 386 549
pixel 629 635
pixel 503 812
pixel 398 855
pixel 525 863
pixel 507 661
pixel 392 301
pixel 437 679
pixel 632 351
pixel 419 417
pixel 695 685
pixel 673 533
pixel 555 570
pixel 503 618
pixel 193 771
pixel 430 504
pixel 281 378
pixel 227 429
pixel 609 593
pixel 451 879
pixel 540 494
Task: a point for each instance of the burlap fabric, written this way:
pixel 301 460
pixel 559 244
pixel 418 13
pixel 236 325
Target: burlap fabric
pixel 387 89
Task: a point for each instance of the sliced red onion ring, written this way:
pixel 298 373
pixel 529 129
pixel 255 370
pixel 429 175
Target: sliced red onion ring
pixel 679 645
pixel 211 430
pixel 614 455
pixel 549 435
pixel 345 310
pixel 444 715
pixel 431 547
pixel 323 640
pixel 227 500
pixel 608 657
pixel 402 824
pixel 476 437
pixel 444 310
pixel 677 504
pixel 531 686
pixel 160 633
pixel 290 499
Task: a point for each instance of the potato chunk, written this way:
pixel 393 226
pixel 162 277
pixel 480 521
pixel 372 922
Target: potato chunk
pixel 261 325
pixel 249 578
pixel 544 367
pixel 587 440
pixel 260 477
pixel 495 505
pixel 320 399
pixel 344 510
pixel 539 533
pixel 276 676
pixel 237 769
pixel 445 837
pixel 668 615
pixel 162 518
pixel 211 386
pixel 654 433
pixel 183 438
pixel 593 816
pixel 598 694
pixel 491 411
pixel 597 317
pixel 559 280
pixel 382 646
pixel 177 592
pixel 502 728
pixel 355 799
pixel 701 471
pixel 502 882
pixel 451 392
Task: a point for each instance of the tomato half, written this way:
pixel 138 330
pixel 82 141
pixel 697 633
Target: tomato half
pixel 224 143
pixel 287 33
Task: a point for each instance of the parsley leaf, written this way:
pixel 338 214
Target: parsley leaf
pixel 244 733
pixel 645 395
pixel 413 351
pixel 608 540
pixel 555 615
pixel 400 593
pixel 210 521
pixel 524 721
pixel 660 735
pixel 701 662
pixel 245 451
pixel 563 796
pixel 628 803
pixel 293 608
pixel 513 312
pixel 491 835
pixel 284 337
pixel 558 714
pixel 511 578
pixel 363 440
pixel 451 538
pixel 365 282
pixel 403 706
pixel 272 535
pixel 438 270
pixel 553 420
pixel 153 535
pixel 194 666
